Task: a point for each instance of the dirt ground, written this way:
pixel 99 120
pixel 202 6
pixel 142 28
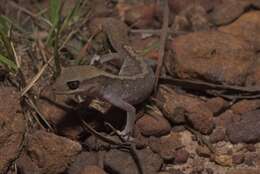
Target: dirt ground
pixel 202 118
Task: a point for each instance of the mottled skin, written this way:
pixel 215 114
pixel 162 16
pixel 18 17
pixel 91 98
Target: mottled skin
pixel 132 85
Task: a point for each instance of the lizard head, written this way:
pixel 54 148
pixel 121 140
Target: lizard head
pixel 76 80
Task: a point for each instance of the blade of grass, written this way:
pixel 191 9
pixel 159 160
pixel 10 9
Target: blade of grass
pixel 56 51
pixel 55 9
pixel 54 12
pixel 55 16
pixel 17 59
pixel 28 12
pixel 4 33
pixel 35 78
pixel 7 62
pixel 73 12
pixel 3 25
pixel 13 23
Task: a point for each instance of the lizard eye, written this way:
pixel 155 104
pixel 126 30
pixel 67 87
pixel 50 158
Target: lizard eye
pixel 73 84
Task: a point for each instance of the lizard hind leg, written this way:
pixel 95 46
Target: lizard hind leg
pixel 131 114
pixel 106 58
pixel 130 120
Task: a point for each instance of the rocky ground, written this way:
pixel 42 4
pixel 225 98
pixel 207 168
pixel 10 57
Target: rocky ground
pixel 204 117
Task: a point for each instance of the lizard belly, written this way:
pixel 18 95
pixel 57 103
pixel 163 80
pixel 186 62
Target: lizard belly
pixel 131 91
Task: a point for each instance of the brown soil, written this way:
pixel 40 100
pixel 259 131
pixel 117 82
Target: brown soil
pixel 202 119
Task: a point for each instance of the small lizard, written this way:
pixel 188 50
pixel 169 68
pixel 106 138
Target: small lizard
pixel 132 85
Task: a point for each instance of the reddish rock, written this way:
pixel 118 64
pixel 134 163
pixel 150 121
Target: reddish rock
pixel 209 171
pixel 238 158
pixel 211 56
pixel 140 16
pixel 251 147
pixel 193 18
pixel 244 106
pixel 251 159
pixel 140 140
pixel 59 115
pixel 53 113
pixel 175 105
pixel 175 171
pixel 166 146
pixel 226 118
pixel 63 117
pixel 181 156
pixel 170 99
pixel 246 130
pixel 95 24
pixel 216 105
pixel 217 135
pixel 142 43
pixel 91 170
pixel 201 119
pixel 223 159
pixel 82 160
pixel 179 108
pixel 221 12
pixel 47 153
pixel 255 3
pixel 247 26
pixel 198 17
pixel 203 151
pixel 12 127
pixel 243 171
pixel 178 6
pixel 100 8
pixel 153 125
pixel 181 24
pixel 253 78
pixel 151 162
pixel 197 166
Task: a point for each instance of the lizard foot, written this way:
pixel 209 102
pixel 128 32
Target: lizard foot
pixel 125 135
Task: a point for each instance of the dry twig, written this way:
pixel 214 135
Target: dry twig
pixel 163 38
pixel 36 77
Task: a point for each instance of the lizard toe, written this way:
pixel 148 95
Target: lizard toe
pixel 125 135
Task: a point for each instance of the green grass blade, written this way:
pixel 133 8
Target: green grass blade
pixel 73 12
pixel 3 25
pixel 13 23
pixel 54 11
pixel 4 29
pixel 7 62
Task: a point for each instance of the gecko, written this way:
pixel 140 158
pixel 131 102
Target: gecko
pixel 132 85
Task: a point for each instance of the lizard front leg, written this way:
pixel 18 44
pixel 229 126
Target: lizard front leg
pixel 107 58
pixel 131 113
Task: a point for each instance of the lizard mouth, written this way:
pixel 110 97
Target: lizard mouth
pixel 66 92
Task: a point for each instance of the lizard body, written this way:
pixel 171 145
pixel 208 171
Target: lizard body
pixel 132 85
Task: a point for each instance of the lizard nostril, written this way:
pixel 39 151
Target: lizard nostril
pixel 73 84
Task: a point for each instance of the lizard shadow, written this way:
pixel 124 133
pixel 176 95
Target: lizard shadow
pixel 69 124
